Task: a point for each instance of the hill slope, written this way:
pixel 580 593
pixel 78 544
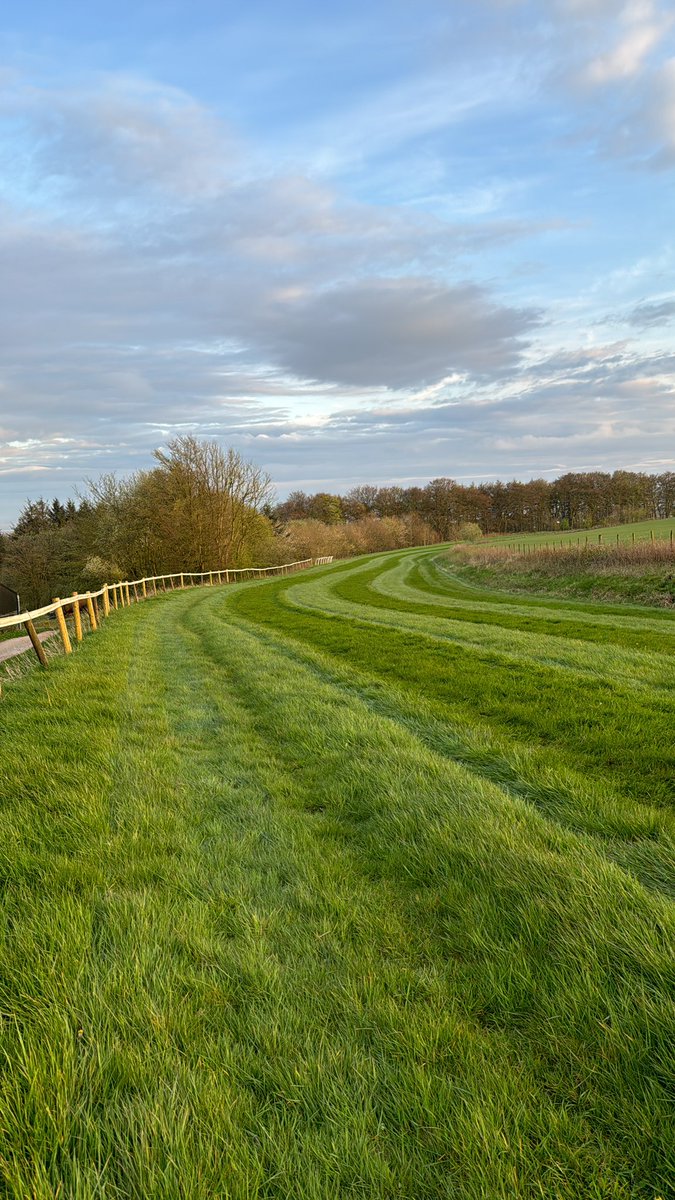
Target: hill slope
pixel 357 883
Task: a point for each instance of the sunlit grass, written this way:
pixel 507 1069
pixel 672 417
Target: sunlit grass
pixel 300 903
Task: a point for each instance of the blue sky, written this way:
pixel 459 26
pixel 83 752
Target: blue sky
pixel 365 242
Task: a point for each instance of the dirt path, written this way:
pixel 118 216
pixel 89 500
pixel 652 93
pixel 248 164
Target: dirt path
pixel 19 645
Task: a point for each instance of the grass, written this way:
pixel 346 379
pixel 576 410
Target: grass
pixel 632 563
pixel 633 531
pixel 640 572
pixel 327 887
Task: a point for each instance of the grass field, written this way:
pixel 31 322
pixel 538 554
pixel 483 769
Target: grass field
pixel 357 883
pixel 638 531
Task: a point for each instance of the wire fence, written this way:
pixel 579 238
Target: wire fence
pixel 95 607
pixel 651 542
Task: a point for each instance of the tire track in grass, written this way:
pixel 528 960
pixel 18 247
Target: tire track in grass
pixel 378 979
pixel 638 838
pixel 351 597
pixel 404 805
pixel 259 940
pixel 421 583
pixel 439 564
pixel 588 723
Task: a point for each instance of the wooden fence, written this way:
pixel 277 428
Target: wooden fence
pixel 113 596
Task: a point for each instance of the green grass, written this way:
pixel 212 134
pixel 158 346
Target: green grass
pixel 355 883
pixel 638 531
pixel 632 564
pixel 654 587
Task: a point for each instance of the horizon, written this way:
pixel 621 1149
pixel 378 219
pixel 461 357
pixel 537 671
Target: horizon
pixel 404 484
pixel 383 245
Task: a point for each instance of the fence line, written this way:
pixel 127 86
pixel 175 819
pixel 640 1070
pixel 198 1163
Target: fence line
pixel 119 595
pixel 572 539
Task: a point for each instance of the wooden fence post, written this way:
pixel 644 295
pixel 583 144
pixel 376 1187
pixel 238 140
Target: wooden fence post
pixel 106 602
pixel 182 580
pixel 126 586
pixel 145 590
pixel 63 628
pixel 90 610
pixel 77 618
pixel 114 592
pixel 37 644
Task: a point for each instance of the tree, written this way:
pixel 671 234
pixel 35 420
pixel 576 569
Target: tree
pixel 326 507
pixel 212 498
pixel 33 518
pixel 295 507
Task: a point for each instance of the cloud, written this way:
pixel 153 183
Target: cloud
pixel 607 67
pixel 156 280
pixel 652 313
pixel 654 120
pixel 174 260
pixel 642 26
pixel 574 410
pixel 399 333
pixel 121 133
pixel 618 67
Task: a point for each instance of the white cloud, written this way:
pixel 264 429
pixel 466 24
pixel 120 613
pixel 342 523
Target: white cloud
pixel 160 283
pixel 124 132
pixel 626 58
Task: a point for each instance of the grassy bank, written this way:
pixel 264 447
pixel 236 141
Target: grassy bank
pixel 358 883
pixel 640 573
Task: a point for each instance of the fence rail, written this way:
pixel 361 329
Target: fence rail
pixel 125 592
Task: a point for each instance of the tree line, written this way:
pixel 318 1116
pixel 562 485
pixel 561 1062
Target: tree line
pixel 199 507
pixel 202 506
pixel 573 501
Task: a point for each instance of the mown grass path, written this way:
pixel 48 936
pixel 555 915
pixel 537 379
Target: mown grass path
pixel 358 883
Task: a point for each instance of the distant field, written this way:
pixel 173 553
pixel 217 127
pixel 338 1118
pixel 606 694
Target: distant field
pixel 639 530
pixel 358 883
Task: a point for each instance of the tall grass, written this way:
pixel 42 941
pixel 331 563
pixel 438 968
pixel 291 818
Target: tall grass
pixel 568 557
pixel 642 572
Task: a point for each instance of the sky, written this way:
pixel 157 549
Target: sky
pixel 359 242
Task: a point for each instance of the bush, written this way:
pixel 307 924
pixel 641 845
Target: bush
pixel 469 532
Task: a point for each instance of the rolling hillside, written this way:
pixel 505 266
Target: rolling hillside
pixel 354 883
